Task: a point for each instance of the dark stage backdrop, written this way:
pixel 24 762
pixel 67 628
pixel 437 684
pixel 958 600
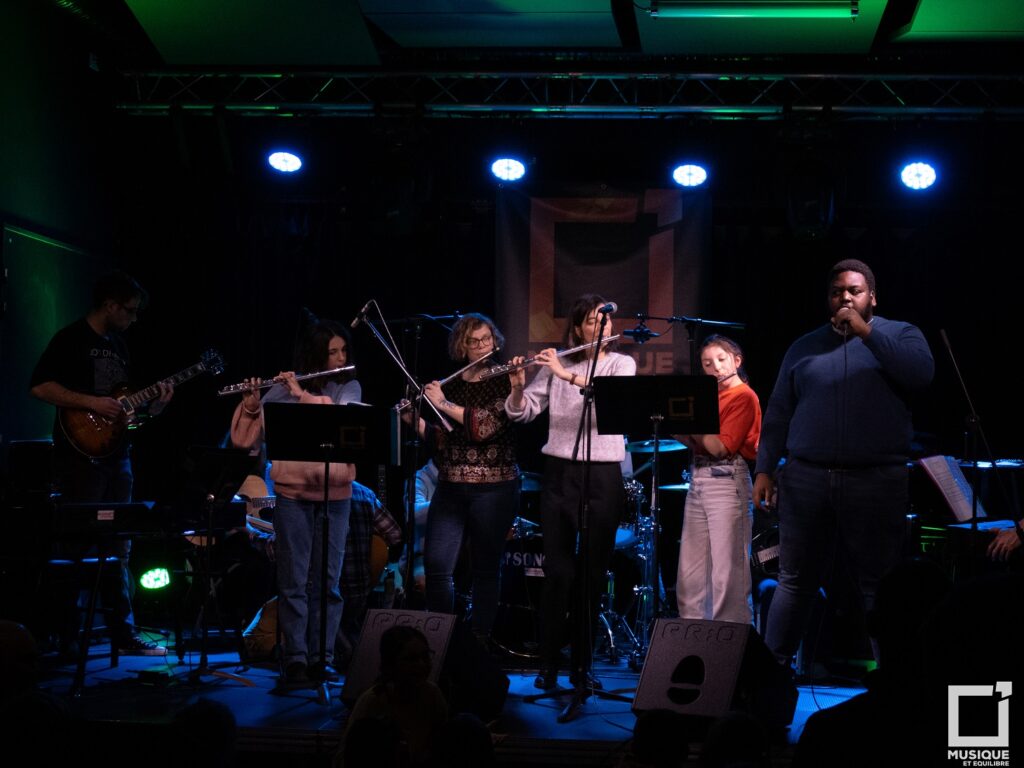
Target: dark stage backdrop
pixel 644 249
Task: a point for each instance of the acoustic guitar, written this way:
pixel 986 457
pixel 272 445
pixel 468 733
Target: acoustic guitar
pixel 97 437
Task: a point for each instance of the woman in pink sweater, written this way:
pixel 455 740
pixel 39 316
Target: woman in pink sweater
pixel 299 487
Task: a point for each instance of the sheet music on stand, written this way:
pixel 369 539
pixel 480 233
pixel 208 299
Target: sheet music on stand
pixel 945 472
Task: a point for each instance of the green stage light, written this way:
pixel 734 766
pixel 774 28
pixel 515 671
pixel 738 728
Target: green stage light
pixel 754 9
pixel 155 578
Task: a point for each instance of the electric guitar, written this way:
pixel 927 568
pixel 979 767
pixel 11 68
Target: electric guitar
pixel 97 437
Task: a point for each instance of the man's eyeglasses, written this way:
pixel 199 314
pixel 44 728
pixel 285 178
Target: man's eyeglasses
pixel 483 341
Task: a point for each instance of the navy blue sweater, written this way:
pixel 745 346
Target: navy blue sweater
pixel 846 404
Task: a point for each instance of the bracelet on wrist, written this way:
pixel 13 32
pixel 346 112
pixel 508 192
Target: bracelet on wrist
pixel 255 412
pixel 572 380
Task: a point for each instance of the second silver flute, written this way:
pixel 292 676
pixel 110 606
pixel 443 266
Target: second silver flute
pixel 502 370
pixel 243 387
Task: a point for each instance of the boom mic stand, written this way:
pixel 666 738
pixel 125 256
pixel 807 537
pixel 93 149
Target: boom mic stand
pixel 413 445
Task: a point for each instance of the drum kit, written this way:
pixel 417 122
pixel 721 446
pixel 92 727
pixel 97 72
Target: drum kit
pixel 517 627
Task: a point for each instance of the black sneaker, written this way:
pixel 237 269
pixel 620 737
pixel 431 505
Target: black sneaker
pixel 296 673
pixel 323 673
pixel 547 679
pixel 137 645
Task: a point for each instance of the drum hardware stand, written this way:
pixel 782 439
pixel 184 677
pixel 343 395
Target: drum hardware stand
pixel 678 405
pixel 217 474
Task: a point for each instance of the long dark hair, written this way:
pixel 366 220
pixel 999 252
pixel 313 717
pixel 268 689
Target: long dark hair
pixel 311 353
pixel 582 307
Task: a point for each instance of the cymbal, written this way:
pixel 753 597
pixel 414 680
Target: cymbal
pixel 675 487
pixel 530 482
pixel 647 446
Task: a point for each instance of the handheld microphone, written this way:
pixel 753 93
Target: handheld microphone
pixel 608 308
pixel 362 314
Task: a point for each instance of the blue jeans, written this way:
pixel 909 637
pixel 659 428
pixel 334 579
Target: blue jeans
pixel 857 513
pixel 298 544
pixel 485 511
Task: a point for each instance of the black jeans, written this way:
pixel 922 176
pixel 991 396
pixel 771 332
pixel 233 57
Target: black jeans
pixel 560 502
pixel 860 510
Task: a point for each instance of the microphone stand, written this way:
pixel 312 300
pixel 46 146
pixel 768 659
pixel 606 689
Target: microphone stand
pixel 414 443
pixel 972 434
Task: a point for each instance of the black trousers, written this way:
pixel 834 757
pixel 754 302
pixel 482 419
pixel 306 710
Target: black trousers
pixel 560 502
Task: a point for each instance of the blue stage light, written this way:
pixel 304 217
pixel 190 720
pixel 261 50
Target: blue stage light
pixel 508 169
pixel 285 162
pixel 918 175
pixel 689 175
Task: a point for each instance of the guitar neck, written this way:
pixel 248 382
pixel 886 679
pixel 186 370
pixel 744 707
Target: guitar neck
pixel 143 396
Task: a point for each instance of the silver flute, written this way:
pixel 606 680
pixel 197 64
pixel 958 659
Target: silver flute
pixel 243 387
pixel 502 370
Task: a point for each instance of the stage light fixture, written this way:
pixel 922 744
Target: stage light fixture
pixel 689 175
pixel 285 162
pixel 754 9
pixel 508 169
pixel 155 578
pixel 918 176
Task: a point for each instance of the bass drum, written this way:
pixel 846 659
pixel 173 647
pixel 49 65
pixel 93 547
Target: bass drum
pixel 517 625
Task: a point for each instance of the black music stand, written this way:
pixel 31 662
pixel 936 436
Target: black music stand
pixel 659 406
pixel 213 477
pixel 326 434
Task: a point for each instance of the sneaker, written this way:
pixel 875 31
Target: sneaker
pixel 323 673
pixel 295 676
pixel 547 679
pixel 137 645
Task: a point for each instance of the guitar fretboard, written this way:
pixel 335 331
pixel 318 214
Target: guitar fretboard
pixel 151 392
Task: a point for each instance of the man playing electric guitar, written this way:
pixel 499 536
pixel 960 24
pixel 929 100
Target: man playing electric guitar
pixel 80 369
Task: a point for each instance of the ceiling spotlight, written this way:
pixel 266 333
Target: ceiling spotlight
pixel 918 175
pixel 508 169
pixel 689 175
pixel 754 9
pixel 285 162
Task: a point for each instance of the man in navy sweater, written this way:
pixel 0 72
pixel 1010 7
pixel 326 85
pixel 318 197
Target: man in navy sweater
pixel 840 415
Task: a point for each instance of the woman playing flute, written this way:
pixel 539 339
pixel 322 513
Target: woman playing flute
pixel 299 487
pixel 478 477
pixel 557 389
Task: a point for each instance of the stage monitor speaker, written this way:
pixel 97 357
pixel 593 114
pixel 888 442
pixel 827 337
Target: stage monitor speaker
pixel 364 666
pixel 707 668
pixel 471 680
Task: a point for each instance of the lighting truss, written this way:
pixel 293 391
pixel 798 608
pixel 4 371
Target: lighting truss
pixel 575 95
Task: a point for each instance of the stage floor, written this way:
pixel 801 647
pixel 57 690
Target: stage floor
pixel 148 691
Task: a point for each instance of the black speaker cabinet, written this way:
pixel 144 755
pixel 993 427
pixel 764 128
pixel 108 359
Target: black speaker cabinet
pixel 365 664
pixel 471 680
pixel 707 668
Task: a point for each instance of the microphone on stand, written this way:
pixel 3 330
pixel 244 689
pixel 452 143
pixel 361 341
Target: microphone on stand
pixel 608 308
pixel 362 314
pixel 641 334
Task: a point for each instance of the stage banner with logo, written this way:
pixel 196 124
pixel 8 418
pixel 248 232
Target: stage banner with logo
pixel 643 249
